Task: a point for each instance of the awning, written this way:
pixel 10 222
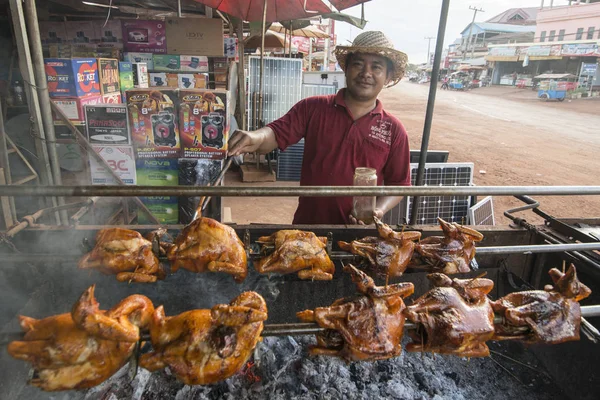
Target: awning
pixel 556 76
pixel 502 58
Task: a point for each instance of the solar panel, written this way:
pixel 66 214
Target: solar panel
pixel 309 90
pixel 289 162
pixel 482 213
pixel 450 208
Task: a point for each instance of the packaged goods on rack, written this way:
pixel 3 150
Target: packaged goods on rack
pixel 144 36
pixel 140 58
pixel 140 75
pixel 163 208
pixel 74 77
pixel 52 32
pixel 73 108
pixel 112 98
pixel 193 63
pixel 62 131
pixel 162 79
pixel 204 123
pixel 107 124
pixel 194 172
pixel 108 75
pixel 81 32
pixel 153 122
pixel 166 62
pixel 109 33
pixel 125 76
pixel 121 161
pixel 191 36
pixel 159 172
pixel 192 81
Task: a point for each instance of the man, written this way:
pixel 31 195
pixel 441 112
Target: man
pixel 343 132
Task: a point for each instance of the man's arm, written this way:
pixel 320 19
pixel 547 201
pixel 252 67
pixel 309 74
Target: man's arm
pixel 383 204
pixel 261 140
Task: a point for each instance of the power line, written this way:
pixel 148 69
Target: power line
pixel 428 38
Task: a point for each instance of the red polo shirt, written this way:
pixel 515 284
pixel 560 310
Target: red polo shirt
pixel 334 145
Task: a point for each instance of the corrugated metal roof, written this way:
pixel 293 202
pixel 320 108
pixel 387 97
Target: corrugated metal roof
pixel 529 12
pixel 493 27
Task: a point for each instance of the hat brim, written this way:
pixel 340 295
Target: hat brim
pixel 398 58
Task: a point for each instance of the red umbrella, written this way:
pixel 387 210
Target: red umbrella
pixel 343 4
pixel 277 10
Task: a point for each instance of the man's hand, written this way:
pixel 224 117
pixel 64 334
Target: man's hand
pixel 376 213
pixel 262 140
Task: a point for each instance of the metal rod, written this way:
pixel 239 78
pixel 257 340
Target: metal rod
pixel 41 87
pixel 293 191
pixel 10 213
pixel 439 47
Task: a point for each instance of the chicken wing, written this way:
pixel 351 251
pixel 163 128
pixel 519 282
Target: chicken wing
pixel 451 253
pixel 369 327
pixel 201 347
pixel 84 348
pixel 549 316
pixel 389 254
pixel 207 245
pixel 453 318
pixel 297 251
pixel 125 253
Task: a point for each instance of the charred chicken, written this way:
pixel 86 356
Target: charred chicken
pixel 126 254
pixel 369 327
pixel 207 245
pixel 83 348
pixel 455 317
pixel 389 254
pixel 206 346
pixel 451 253
pixel 296 251
pixel 549 316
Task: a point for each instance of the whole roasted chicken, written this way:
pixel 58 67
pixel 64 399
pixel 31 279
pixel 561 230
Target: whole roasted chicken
pixel 451 253
pixel 549 316
pixel 83 348
pixel 455 317
pixel 125 253
pixel 207 245
pixel 201 347
pixel 389 254
pixel 369 327
pixel 296 251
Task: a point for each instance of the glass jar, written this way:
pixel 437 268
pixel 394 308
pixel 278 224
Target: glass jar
pixel 364 207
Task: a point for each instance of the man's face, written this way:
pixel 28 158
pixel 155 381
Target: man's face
pixel 366 75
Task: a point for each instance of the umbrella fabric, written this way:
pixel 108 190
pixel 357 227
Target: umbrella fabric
pixel 277 10
pixel 343 4
pixel 308 32
pixel 272 40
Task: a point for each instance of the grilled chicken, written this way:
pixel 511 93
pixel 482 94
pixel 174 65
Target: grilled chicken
pixel 125 253
pixel 83 348
pixel 549 316
pixel 455 317
pixel 389 254
pixel 207 245
pixel 369 327
pixel 451 253
pixel 201 347
pixel 296 251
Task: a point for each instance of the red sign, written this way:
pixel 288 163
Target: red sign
pixel 302 44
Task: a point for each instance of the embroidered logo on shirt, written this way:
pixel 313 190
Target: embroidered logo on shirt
pixel 382 132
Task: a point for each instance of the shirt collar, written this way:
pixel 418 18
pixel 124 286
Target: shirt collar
pixel 339 100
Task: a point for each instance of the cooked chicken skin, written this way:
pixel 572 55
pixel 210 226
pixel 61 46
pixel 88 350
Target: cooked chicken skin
pixel 369 327
pixel 207 245
pixel 124 253
pixel 536 316
pixel 453 318
pixel 297 251
pixel 206 346
pixel 67 355
pixel 389 254
pixel 451 253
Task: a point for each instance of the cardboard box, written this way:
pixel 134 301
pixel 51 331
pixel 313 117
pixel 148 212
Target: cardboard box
pixel 121 161
pixel 73 108
pixel 163 79
pixel 109 33
pixel 73 77
pixel 204 120
pixel 62 132
pixel 112 98
pixel 107 124
pixel 125 75
pixel 197 172
pixel 81 32
pixel 163 208
pixel 192 81
pixel 195 36
pixel 193 63
pixel 154 122
pixel 140 75
pixel 157 172
pixel 52 32
pixel 230 48
pixel 166 62
pixel 144 36
pixel 139 58
pixel 108 75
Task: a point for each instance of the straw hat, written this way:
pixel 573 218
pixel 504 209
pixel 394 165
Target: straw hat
pixel 375 42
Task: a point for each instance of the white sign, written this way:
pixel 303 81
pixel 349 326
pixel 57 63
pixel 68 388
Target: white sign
pixel 121 161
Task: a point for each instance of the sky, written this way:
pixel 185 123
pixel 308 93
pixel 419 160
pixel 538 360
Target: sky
pixel 407 23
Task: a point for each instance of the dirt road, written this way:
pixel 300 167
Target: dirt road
pixel 505 132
